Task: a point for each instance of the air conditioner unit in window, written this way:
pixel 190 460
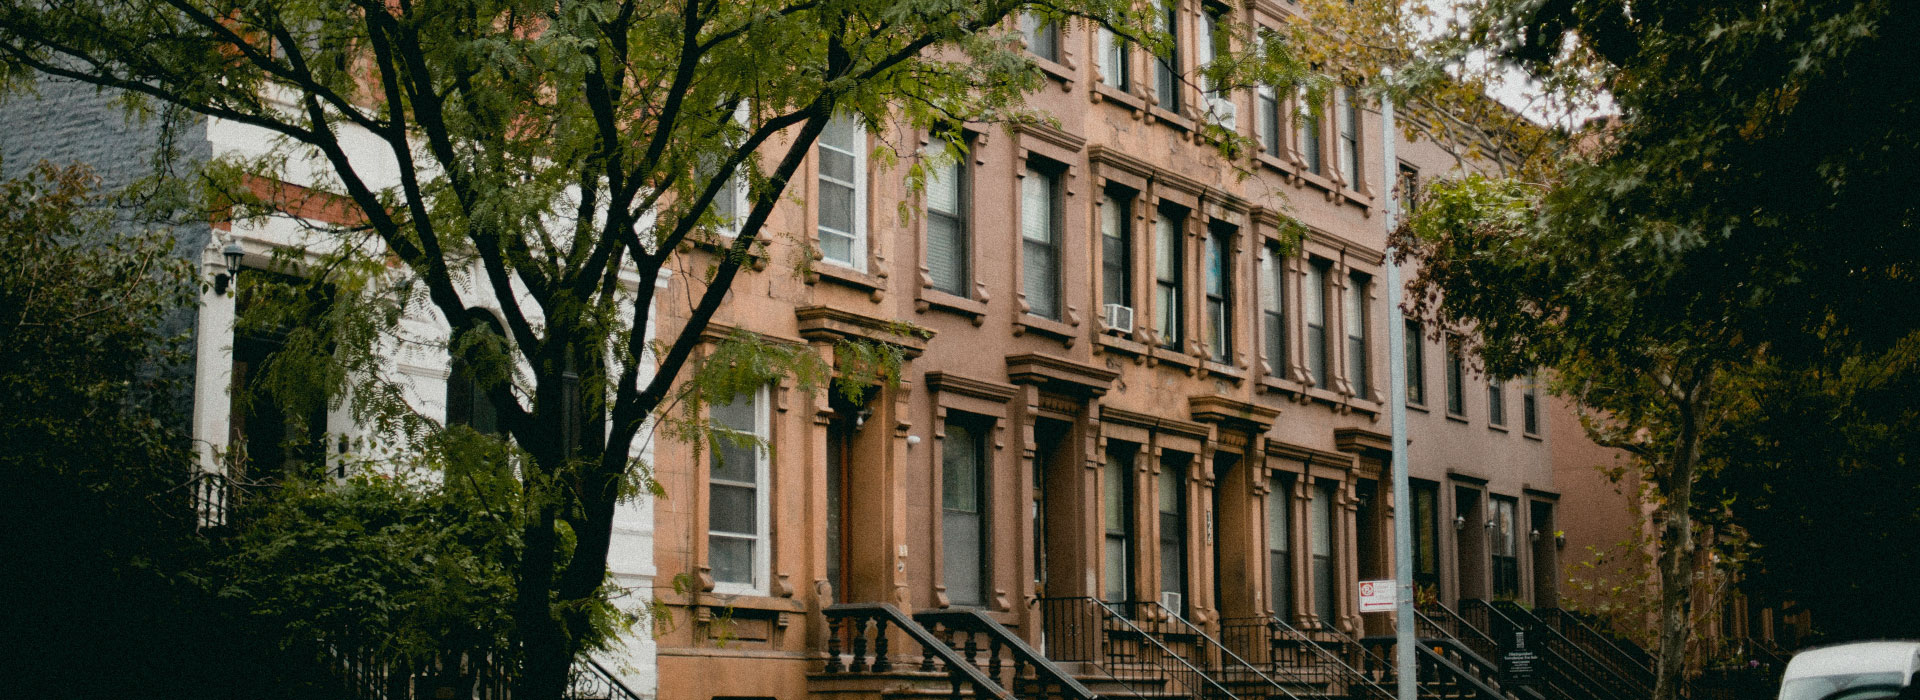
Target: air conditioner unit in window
pixel 1171 601
pixel 1119 318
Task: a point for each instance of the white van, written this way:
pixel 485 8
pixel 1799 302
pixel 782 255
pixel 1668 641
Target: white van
pixel 1858 671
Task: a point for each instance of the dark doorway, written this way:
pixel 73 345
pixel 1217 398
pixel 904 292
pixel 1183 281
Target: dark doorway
pixel 1470 543
pixel 1546 559
pixel 1053 528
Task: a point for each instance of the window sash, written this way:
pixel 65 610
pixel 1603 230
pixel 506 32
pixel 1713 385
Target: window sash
pixel 1309 133
pixel 1415 352
pixel 1273 309
pixel 1530 406
pixel 1113 60
pixel 1219 283
pixel 963 505
pixel 736 541
pixel 1313 303
pixel 1117 502
pixel 949 250
pixel 1269 120
pixel 1040 243
pixel 1322 550
pixel 1173 530
pixel 1357 355
pixel 1166 66
pixel 1167 279
pixel 1279 547
pixel 1456 380
pixel 1496 403
pixel 1347 113
pixel 841 211
pixel 1116 259
pixel 1042 37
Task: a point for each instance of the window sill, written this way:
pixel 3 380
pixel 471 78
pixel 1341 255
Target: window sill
pixel 739 601
pixel 1421 407
pixel 1280 385
pixel 720 242
pixel 1457 418
pixel 1174 357
pixel 1367 406
pixel 935 300
pixel 1536 437
pixel 1061 72
pixel 834 272
pixel 1224 371
pixel 1121 344
pixel 1109 93
pixel 1171 119
pixel 1029 323
pixel 1274 162
pixel 1499 427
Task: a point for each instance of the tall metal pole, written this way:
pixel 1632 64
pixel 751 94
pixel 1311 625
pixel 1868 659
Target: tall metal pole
pixel 1396 349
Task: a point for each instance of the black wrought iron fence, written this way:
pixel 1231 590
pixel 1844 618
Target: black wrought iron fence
pixel 1086 629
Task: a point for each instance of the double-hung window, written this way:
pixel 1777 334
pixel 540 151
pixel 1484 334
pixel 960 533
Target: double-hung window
pixel 1173 530
pixel 730 204
pixel 1456 378
pixel 963 522
pixel 1166 66
pixel 1212 42
pixel 1307 121
pixel 1168 276
pixel 1040 241
pixel 1496 402
pixel 1273 305
pixel 1426 534
pixel 1114 61
pixel 737 484
pixel 1530 405
pixel 1415 353
pixel 1321 531
pixel 949 244
pixel 1279 547
pixel 1042 36
pixel 843 193
pixel 1346 112
pixel 1116 251
pixel 1116 499
pixel 1356 317
pixel 1269 120
pixel 1313 304
pixel 1219 283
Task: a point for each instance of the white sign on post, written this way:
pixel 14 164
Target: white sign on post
pixel 1378 596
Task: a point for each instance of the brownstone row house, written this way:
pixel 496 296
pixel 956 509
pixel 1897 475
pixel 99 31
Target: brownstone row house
pixel 1131 394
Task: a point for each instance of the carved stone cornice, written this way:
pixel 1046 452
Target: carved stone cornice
pixel 980 389
pixel 825 323
pixel 1059 375
pixel 1109 414
pixel 1286 450
pixel 1049 135
pixel 1233 413
pixel 1362 441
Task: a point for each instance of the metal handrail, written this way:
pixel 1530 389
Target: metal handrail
pixel 1562 621
pixel 1354 675
pixel 1578 678
pixel 1170 664
pixel 974 621
pixel 1240 666
pixel 958 670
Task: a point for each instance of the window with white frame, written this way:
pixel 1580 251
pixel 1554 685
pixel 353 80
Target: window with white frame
pixel 1166 66
pixel 842 206
pixel 730 204
pixel 1116 500
pixel 1116 249
pixel 949 244
pixel 1269 120
pixel 737 488
pixel 963 504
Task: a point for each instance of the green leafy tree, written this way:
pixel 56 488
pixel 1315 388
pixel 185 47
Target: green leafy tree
pixel 1744 208
pixel 555 159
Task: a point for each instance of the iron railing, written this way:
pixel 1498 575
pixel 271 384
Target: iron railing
pixel 1565 669
pixel 1438 675
pixel 370 675
pixel 865 629
pixel 1203 651
pixel 1029 674
pixel 1290 656
pixel 1085 629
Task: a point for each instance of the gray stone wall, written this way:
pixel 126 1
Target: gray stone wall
pixel 65 122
